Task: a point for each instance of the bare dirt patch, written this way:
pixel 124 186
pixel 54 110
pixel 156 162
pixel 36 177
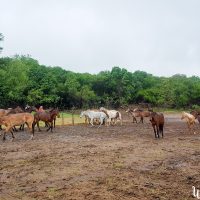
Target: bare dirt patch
pixel 117 162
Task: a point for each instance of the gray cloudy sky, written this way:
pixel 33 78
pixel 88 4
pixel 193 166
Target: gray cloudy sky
pixel 161 37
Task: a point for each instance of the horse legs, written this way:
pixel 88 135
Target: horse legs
pixel 141 119
pixel 154 129
pixel 31 127
pixel 161 130
pixel 14 129
pixel 108 121
pixel 12 135
pixel 134 120
pixel 46 124
pixel 6 131
pixel 38 126
pixel 157 128
pixel 86 120
pixel 101 122
pixel 21 128
pixel 4 136
pixel 54 123
pixel 91 121
pixel 113 122
pixel 50 126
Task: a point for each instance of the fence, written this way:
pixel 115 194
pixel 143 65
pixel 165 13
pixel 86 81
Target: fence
pixel 70 117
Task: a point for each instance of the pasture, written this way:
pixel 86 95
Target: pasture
pixel 116 162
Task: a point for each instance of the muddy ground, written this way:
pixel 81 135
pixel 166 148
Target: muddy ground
pixel 117 162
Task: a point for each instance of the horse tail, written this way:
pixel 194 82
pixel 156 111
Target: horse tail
pixel 161 127
pixel 120 117
pixel 117 115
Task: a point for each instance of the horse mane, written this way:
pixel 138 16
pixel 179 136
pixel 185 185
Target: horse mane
pixel 138 110
pixel 104 111
pixel 52 109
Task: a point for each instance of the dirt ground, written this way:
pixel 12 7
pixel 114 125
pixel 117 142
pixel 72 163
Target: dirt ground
pixel 116 162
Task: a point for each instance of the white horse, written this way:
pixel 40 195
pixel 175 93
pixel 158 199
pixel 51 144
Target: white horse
pixel 94 115
pixel 113 115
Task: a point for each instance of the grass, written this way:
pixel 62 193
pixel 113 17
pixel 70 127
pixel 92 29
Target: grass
pixel 168 110
pixel 66 119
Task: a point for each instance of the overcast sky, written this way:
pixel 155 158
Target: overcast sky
pixel 161 37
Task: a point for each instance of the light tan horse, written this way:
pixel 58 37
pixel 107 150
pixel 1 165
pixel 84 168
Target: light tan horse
pixel 18 119
pixel 190 119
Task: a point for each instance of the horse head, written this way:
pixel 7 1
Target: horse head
pixel 58 113
pixel 27 107
pixel 30 109
pixel 55 112
pixel 183 115
pixel 102 109
pixel 82 114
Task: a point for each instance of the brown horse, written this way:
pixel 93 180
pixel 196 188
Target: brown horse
pixel 11 120
pixel 157 120
pixel 47 117
pixel 138 113
pixel 133 114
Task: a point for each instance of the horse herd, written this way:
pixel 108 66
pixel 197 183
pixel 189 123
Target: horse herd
pixel 108 117
pixel 19 117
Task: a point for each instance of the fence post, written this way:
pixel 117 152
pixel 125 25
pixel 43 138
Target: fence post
pixel 73 118
pixel 73 110
pixel 62 119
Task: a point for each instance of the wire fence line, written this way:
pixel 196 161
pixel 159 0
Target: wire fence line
pixel 70 117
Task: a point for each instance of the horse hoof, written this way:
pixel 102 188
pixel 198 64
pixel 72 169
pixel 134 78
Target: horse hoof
pixel 31 138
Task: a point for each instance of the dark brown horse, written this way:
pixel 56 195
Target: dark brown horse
pixel 47 117
pixel 196 114
pixel 157 120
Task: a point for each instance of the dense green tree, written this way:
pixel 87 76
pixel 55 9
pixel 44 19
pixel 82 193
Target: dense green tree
pixel 23 80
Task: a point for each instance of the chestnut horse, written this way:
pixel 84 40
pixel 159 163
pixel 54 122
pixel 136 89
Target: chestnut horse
pixel 196 114
pixel 157 120
pixel 47 117
pixel 138 113
pixel 4 112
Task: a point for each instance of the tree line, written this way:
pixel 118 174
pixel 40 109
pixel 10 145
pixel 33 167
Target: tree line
pixel 25 81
